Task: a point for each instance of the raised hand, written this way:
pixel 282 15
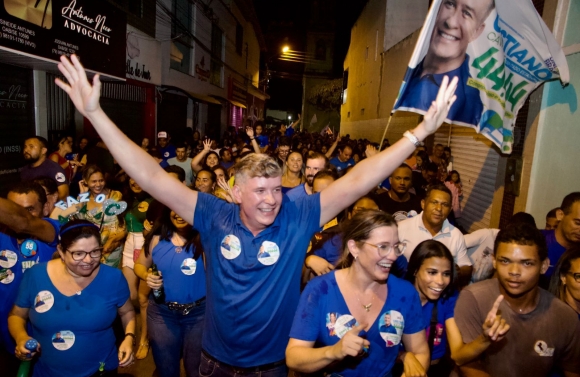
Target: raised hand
pixel 371 151
pixel 495 327
pixel 223 184
pixel 84 95
pixel 440 107
pixel 207 145
pixel 351 344
pixel 250 132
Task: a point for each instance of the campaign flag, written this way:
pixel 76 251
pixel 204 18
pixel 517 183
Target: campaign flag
pixel 500 51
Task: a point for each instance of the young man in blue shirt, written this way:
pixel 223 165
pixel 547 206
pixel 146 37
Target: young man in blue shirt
pixel 250 301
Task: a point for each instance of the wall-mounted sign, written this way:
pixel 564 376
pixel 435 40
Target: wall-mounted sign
pixel 143 63
pixel 94 30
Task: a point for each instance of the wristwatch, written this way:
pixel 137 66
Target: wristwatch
pixel 412 138
pixel 132 336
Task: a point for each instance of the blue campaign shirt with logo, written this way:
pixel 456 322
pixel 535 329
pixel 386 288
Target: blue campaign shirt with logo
pixel 339 165
pixel 251 301
pixel 84 322
pixel 419 92
pixel 183 276
pixel 167 152
pixel 445 310
pixel 12 258
pixel 322 303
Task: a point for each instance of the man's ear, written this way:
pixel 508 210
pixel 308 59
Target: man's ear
pixel 545 266
pixel 559 214
pixel 423 204
pixel 237 192
pixel 46 209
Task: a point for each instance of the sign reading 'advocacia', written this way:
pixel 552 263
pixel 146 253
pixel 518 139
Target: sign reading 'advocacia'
pixel 94 30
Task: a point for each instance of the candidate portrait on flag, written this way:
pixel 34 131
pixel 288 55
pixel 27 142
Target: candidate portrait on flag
pixel 458 23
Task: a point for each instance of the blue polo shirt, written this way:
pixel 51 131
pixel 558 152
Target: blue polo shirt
pixel 555 250
pixel 323 317
pixel 297 192
pixel 419 92
pixel 251 301
pixel 15 259
pixel 445 311
pixel 339 165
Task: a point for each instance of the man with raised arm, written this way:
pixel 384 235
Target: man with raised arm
pixel 251 301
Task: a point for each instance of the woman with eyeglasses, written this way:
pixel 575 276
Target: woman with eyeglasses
pixel 175 324
pixel 375 312
pixel 71 303
pixel 565 282
pixel 431 271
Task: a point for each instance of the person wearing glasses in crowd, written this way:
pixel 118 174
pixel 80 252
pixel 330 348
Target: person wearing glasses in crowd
pixel 565 282
pixel 376 312
pixel 80 298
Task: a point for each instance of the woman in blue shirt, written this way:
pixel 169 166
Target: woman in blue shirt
pixel 175 326
pixel 71 303
pixel 431 271
pixel 371 313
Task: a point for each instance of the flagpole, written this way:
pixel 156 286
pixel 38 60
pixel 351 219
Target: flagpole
pixel 385 133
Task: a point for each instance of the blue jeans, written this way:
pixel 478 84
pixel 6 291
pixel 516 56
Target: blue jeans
pixel 173 335
pixel 209 367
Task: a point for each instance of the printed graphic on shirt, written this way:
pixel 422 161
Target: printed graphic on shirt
pixel 483 267
pixel 63 340
pixel 189 266
pixel 6 276
pixel 8 258
pixel 331 322
pixel 231 247
pixel 344 324
pixel 391 325
pixel 26 264
pixel 43 301
pixel 269 253
pixel 542 349
pixel 59 177
pixel 166 154
pixel 400 216
pixel 28 248
pixel 439 328
pixel 143 207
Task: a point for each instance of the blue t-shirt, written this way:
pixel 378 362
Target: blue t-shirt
pixel 84 321
pixel 297 192
pixel 339 165
pixel 419 92
pixel 555 250
pixel 183 276
pixel 263 141
pixel 251 301
pixel 15 259
pixel 323 317
pixel 168 152
pixel 445 309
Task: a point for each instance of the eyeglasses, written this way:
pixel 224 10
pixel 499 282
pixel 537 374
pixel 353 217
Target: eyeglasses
pixel 80 255
pixel 576 276
pixel 385 249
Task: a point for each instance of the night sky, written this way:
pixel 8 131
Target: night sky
pixel 287 22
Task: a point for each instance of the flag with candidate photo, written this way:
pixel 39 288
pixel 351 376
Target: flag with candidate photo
pixel 500 51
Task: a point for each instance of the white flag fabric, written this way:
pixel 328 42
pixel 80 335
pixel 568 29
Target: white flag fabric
pixel 500 52
pixel 313 120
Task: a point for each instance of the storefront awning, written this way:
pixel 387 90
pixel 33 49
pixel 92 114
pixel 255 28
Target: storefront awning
pixel 235 103
pixel 238 104
pixel 194 96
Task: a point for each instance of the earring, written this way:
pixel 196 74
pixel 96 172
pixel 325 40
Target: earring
pixel 356 256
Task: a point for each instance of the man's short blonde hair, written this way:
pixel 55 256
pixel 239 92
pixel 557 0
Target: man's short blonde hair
pixel 256 165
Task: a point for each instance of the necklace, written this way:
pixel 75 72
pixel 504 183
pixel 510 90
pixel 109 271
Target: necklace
pixel 366 307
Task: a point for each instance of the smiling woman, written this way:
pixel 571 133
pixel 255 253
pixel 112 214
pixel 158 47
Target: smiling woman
pixel 71 303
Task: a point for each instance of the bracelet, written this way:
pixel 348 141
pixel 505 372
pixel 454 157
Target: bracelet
pixel 252 138
pixel 412 138
pixel 132 336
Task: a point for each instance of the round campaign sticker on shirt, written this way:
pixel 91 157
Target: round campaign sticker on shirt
pixel 231 247
pixel 166 154
pixel 6 276
pixel 29 248
pixel 344 324
pixel 63 340
pixel 189 266
pixel 391 325
pixel 59 177
pixel 8 258
pixel 269 253
pixel 43 301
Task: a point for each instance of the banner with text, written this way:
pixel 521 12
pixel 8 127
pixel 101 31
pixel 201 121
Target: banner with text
pixel 500 52
pixel 46 29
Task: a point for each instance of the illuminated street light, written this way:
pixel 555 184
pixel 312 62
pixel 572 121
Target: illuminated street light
pixel 285 49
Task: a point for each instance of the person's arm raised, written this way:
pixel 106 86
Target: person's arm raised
pixel 136 162
pixel 196 161
pixel 369 172
pixel 20 220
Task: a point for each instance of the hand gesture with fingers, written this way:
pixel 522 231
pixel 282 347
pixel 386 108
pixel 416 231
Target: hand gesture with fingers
pixel 371 151
pixel 440 107
pixel 207 145
pixel 351 344
pixel 226 187
pixel 84 95
pixel 250 132
pixel 495 327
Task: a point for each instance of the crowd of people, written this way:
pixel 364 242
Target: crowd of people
pixel 272 252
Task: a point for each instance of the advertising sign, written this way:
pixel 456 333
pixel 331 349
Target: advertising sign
pixel 46 29
pixel 143 63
